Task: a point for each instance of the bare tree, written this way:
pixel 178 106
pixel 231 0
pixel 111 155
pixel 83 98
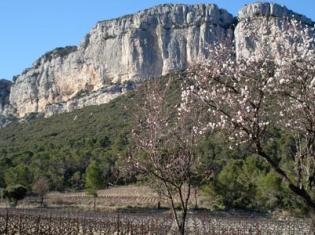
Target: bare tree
pixel 41 188
pixel 165 141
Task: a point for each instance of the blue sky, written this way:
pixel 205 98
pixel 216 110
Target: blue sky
pixel 29 28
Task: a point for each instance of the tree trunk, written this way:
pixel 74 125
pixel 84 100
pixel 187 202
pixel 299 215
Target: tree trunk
pixel 42 201
pixel 175 215
pixel 159 205
pixel 183 222
pixel 182 229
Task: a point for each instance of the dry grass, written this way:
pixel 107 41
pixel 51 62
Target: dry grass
pixel 131 196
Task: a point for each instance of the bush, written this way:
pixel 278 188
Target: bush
pixel 14 194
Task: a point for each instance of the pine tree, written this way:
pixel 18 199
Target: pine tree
pixel 93 180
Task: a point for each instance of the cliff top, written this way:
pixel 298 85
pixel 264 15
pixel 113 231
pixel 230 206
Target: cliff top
pixel 271 9
pixel 211 11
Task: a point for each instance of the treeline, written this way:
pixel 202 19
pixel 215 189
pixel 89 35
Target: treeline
pixel 243 181
pixel 61 148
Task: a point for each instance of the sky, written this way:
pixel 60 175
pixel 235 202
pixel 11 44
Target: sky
pixel 29 28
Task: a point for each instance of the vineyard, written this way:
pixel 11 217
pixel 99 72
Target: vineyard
pixel 72 222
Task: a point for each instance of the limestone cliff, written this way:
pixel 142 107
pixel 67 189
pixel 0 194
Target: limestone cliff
pixel 148 44
pixel 265 28
pixel 117 54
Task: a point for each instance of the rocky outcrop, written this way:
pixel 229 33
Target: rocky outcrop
pixel 266 29
pixel 255 10
pixel 150 43
pixel 83 99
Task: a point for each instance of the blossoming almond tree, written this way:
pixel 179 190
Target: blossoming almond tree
pixel 296 101
pixel 165 148
pixel 245 99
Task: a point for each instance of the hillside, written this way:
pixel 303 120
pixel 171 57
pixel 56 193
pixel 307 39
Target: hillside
pixel 61 147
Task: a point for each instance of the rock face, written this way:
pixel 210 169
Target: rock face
pixel 101 96
pixel 117 54
pixel 148 44
pixel 273 30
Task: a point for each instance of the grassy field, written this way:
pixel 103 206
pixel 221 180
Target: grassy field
pixel 111 199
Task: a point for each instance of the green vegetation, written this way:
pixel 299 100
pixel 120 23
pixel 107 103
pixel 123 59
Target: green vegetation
pixel 61 147
pixel 93 180
pixel 14 194
pixel 65 149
